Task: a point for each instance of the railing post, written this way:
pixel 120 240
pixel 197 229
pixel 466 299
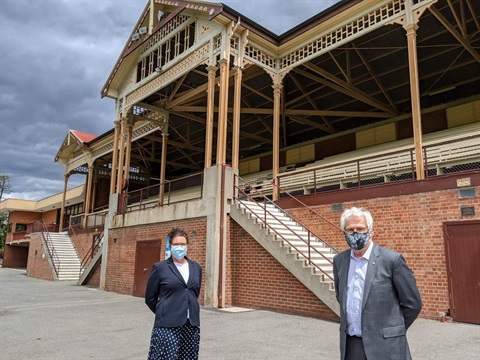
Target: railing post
pixel 358 173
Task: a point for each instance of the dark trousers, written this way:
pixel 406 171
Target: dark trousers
pixel 354 348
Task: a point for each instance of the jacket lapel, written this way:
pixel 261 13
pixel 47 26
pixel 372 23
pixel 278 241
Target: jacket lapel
pixel 345 262
pixel 373 264
pixel 175 271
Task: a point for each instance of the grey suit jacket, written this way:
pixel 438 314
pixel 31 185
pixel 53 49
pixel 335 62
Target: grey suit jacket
pixel 391 303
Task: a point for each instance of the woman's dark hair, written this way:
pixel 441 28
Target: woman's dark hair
pixel 176 232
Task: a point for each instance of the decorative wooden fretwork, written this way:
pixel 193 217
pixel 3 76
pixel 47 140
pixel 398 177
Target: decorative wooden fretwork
pixel 146 129
pixel 190 62
pixel 217 43
pixel 103 150
pixel 167 48
pixel 260 57
pixel 168 28
pixel 234 42
pixel 380 16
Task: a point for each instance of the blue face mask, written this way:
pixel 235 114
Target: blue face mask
pixel 357 241
pixel 179 251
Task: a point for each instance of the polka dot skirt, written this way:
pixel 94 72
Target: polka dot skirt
pixel 177 343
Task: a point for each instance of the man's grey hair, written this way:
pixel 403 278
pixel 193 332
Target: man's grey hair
pixel 357 212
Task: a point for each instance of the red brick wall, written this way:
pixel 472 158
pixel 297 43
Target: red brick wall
pixel 23 217
pixel 50 217
pixel 413 226
pixel 122 247
pixel 38 266
pixel 94 278
pixel 229 262
pixel 83 243
pixel 15 256
pixel 259 281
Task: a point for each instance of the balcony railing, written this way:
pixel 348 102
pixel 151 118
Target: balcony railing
pixel 182 189
pixel 440 158
pixel 94 220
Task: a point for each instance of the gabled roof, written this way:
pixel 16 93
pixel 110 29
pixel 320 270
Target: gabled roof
pixel 83 136
pixel 218 12
pixel 74 139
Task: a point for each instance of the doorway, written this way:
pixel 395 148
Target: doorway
pixel 462 245
pixel 147 254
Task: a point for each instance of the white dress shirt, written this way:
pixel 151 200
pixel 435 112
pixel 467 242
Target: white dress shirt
pixel 357 272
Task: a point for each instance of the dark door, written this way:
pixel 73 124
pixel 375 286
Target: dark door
pixel 148 253
pixel 463 254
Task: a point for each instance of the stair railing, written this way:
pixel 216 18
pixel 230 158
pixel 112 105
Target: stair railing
pixel 49 245
pixel 91 253
pixel 240 194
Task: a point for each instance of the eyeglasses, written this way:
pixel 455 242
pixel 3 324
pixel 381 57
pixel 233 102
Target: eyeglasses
pixel 360 230
pixel 179 244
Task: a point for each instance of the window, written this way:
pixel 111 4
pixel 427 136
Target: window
pixel 20 227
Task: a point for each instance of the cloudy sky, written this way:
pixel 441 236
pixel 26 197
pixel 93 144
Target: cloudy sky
pixel 55 56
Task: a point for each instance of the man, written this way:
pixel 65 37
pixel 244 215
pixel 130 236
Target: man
pixel 377 293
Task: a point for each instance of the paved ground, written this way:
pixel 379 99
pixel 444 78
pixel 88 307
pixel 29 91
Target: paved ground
pixel 59 320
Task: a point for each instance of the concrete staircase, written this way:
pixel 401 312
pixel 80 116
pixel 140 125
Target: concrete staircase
pixel 287 241
pixel 66 260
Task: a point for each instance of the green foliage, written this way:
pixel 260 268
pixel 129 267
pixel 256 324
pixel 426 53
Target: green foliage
pixel 5 187
pixel 3 229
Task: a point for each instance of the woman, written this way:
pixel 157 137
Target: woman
pixel 172 294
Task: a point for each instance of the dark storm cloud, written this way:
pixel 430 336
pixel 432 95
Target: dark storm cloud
pixel 55 56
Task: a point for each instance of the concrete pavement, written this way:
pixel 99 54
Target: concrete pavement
pixel 60 320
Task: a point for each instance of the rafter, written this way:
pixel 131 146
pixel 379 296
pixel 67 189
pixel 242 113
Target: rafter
pixel 459 37
pixel 342 86
pixel 375 77
pixel 309 98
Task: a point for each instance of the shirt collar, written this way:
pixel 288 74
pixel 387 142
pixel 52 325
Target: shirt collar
pixel 365 256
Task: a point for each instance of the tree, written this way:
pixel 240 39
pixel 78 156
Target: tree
pixel 3 229
pixel 5 186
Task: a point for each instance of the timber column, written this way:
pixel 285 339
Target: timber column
pixel 210 110
pixel 88 193
pixel 121 156
pixel 163 166
pixel 236 117
pixel 277 94
pixel 411 27
pixel 113 171
pixel 64 195
pixel 222 112
pixel 415 95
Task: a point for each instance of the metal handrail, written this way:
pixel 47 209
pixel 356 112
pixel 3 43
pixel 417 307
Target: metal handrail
pixel 240 190
pixel 302 204
pixel 50 248
pixel 90 254
pixel 364 168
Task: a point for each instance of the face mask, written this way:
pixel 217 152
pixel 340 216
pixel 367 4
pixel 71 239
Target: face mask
pixel 179 251
pixel 357 241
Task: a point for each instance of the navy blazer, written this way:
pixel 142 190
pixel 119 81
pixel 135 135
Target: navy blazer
pixel 170 298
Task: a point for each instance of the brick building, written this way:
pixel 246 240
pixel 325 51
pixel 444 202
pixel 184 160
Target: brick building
pixel 254 143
